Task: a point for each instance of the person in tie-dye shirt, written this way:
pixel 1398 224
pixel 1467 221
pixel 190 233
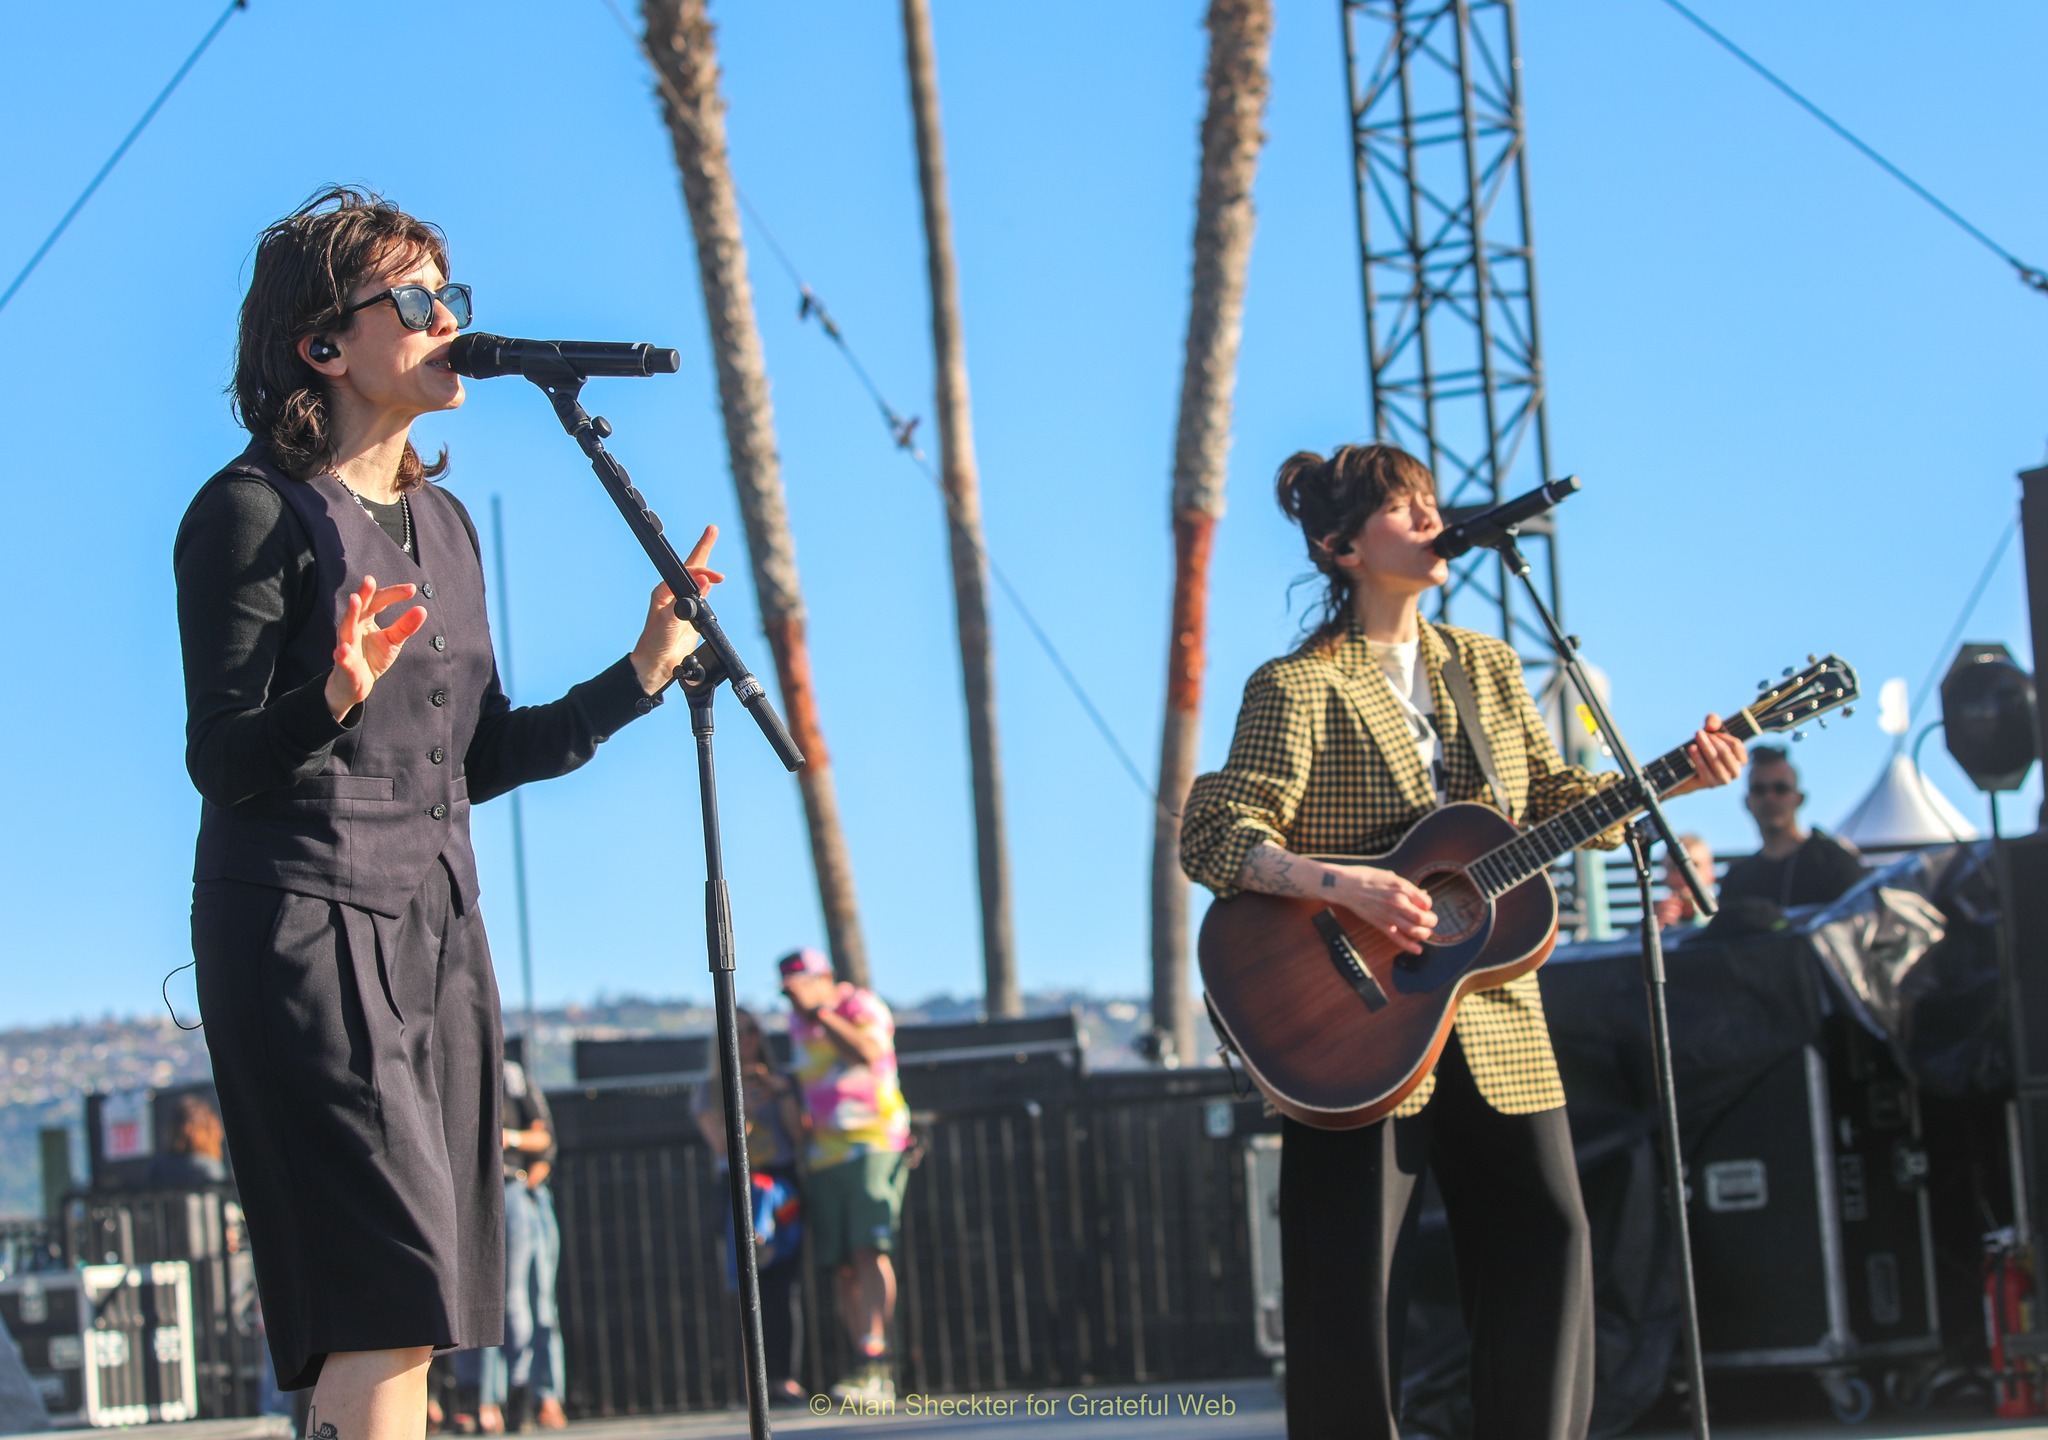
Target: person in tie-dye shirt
pixel 844 1043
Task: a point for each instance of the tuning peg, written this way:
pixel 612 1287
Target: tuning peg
pixel 1788 672
pixel 1811 658
pixel 1798 734
pixel 1822 723
pixel 1763 685
pixel 1847 711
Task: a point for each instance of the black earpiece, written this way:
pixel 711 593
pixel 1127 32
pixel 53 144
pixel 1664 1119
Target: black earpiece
pixel 1348 550
pixel 322 350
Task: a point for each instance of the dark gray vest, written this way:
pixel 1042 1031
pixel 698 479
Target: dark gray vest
pixel 391 797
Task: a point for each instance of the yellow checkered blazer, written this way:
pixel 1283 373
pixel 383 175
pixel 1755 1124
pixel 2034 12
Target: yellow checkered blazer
pixel 1323 763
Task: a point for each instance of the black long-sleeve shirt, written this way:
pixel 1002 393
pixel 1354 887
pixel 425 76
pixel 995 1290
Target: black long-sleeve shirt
pixel 246 581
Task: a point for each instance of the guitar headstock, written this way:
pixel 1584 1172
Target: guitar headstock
pixel 1828 683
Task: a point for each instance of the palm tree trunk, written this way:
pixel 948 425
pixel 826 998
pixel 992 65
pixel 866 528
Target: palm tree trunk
pixel 1240 34
pixel 963 506
pixel 680 41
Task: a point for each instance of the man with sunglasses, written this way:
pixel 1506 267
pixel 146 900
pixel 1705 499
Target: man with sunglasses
pixel 1793 866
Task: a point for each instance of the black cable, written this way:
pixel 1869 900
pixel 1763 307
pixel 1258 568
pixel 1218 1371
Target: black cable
pixel 903 431
pixel 1955 631
pixel 120 150
pixel 2028 274
pixel 174 1009
pixel 1927 792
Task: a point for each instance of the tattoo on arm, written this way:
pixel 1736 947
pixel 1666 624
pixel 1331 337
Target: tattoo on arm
pixel 1329 880
pixel 1273 871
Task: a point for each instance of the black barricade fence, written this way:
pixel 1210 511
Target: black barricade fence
pixel 198 1227
pixel 1096 1236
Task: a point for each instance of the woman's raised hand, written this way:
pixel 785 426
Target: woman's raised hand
pixel 364 649
pixel 665 641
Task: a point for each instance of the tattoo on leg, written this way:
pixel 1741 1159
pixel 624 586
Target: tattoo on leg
pixel 316 1431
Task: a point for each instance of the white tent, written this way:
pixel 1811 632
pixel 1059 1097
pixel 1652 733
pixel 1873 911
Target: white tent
pixel 1904 808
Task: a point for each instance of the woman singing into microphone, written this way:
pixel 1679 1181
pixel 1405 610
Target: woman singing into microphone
pixel 343 714
pixel 1341 746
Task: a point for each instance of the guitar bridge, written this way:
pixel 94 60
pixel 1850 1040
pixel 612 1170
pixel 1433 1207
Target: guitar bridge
pixel 1344 955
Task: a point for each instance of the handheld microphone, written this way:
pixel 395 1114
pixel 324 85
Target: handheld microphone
pixel 1490 527
pixel 481 356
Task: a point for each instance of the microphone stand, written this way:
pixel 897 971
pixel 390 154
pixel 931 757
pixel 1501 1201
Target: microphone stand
pixel 713 662
pixel 1641 832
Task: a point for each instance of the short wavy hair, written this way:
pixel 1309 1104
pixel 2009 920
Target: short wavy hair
pixel 307 266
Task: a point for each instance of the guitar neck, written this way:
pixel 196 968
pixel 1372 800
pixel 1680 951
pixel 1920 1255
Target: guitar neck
pixel 1538 847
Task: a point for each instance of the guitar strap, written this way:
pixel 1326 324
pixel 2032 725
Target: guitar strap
pixel 1460 685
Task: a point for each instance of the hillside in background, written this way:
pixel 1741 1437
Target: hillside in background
pixel 45 1073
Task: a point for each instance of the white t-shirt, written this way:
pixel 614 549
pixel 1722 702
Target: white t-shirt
pixel 1408 677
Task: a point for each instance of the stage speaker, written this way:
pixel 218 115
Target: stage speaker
pixel 1987 717
pixel 2024 896
pixel 2034 544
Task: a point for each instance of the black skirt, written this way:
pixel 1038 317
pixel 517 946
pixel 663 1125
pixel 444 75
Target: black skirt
pixel 359 1060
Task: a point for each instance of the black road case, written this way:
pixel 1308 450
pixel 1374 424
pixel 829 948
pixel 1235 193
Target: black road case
pixel 1810 1224
pixel 106 1344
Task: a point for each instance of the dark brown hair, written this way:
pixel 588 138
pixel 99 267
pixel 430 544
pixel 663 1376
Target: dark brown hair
pixel 307 266
pixel 1772 755
pixel 1331 499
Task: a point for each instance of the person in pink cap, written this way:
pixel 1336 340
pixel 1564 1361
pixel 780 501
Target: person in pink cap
pixel 844 1043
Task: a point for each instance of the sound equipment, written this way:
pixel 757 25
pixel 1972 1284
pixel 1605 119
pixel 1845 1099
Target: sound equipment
pixel 1490 527
pixel 1810 1222
pixel 1336 1024
pixel 989 1062
pixel 106 1344
pixel 1987 717
pixel 481 356
pixel 134 1137
pixel 641 1056
pixel 2034 542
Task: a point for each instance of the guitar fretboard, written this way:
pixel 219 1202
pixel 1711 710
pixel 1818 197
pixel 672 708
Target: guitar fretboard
pixel 1533 850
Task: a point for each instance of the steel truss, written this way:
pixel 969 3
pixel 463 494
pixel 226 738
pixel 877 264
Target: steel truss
pixel 1449 265
pixel 1440 166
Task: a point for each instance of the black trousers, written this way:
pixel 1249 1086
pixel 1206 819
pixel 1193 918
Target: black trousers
pixel 1525 1265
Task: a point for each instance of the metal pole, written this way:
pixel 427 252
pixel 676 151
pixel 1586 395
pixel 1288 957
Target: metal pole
pixel 719 942
pixel 504 649
pixel 1667 1104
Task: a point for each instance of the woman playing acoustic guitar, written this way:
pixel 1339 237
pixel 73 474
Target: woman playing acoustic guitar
pixel 1340 747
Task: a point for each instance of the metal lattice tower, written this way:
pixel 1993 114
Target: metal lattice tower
pixel 1452 340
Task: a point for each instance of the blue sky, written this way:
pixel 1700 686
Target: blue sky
pixel 1797 398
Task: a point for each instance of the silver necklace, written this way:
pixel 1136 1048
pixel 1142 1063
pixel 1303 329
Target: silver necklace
pixel 404 508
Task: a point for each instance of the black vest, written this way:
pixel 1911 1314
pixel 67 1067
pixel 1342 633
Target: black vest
pixel 391 797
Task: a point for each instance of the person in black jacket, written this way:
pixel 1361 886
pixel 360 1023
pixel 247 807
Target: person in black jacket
pixel 338 729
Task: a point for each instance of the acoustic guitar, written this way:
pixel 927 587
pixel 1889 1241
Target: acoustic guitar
pixel 1336 1023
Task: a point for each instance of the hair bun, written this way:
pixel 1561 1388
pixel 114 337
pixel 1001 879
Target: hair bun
pixel 1332 498
pixel 1303 471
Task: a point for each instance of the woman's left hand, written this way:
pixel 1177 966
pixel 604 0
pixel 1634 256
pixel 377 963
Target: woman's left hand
pixel 665 641
pixel 1717 758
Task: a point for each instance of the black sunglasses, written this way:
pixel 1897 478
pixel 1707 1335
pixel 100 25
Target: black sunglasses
pixel 415 304
pixel 1773 787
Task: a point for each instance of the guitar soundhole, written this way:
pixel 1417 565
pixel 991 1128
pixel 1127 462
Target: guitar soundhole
pixel 1460 907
